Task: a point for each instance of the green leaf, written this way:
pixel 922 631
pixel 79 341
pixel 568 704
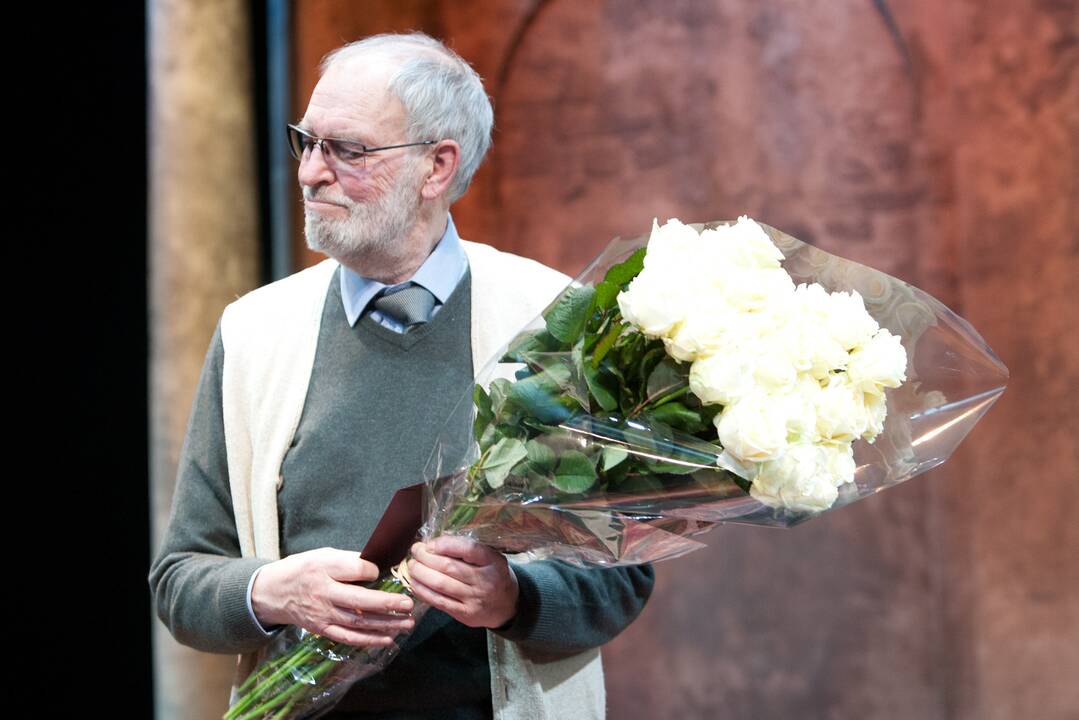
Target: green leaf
pixel 541 396
pixel 612 455
pixel 575 473
pixel 606 294
pixel 617 473
pixel 530 343
pixel 500 388
pixel 541 457
pixel 669 468
pixel 648 362
pixel 607 343
pixel 626 270
pixel 610 367
pixel 484 414
pixel 566 320
pixel 539 427
pixel 665 378
pixel 639 484
pixel 489 437
pixel 679 416
pixel 599 386
pixel 500 460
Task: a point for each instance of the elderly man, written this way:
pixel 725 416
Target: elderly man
pixel 323 393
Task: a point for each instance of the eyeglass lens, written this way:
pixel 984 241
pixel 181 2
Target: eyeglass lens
pixel 347 152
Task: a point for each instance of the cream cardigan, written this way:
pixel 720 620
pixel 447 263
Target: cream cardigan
pixel 270 336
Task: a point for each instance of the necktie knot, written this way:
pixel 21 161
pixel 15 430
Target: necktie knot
pixel 410 305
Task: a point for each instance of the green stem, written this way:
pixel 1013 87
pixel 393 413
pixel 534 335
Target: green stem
pixel 293 694
pixel 673 396
pixel 294 658
pixel 677 393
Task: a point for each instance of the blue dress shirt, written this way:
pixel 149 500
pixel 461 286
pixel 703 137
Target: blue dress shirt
pixel 440 273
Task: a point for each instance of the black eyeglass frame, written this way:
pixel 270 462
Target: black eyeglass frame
pixel 295 145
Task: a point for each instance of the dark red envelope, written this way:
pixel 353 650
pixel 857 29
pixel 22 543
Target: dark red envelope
pixel 396 531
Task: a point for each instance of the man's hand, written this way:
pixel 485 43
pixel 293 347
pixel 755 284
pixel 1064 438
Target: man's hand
pixel 470 582
pixel 312 590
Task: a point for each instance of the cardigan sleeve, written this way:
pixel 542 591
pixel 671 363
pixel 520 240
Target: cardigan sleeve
pixel 564 609
pixel 198 580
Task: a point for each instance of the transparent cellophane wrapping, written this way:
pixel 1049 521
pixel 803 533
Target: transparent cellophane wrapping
pixel 608 487
pixel 679 484
pixel 303 675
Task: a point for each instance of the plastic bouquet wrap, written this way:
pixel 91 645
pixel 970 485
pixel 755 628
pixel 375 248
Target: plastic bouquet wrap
pixel 724 372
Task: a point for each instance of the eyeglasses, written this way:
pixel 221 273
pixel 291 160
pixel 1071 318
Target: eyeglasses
pixel 345 152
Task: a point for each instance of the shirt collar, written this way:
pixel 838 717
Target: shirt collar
pixel 439 273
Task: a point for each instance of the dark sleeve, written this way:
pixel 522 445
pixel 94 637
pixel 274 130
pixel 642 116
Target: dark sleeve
pixel 198 579
pixel 564 609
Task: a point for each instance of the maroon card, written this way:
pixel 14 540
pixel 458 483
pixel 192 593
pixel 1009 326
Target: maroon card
pixel 397 529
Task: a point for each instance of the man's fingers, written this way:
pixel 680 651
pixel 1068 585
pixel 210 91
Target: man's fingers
pixel 438 581
pixel 355 637
pixel 373 601
pixel 463 548
pixel 432 597
pixel 372 622
pixel 347 565
pixel 446 564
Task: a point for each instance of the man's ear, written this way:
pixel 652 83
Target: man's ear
pixel 445 161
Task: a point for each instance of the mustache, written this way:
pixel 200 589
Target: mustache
pixel 309 194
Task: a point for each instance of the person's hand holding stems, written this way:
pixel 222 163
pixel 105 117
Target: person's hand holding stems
pixel 471 582
pixel 313 590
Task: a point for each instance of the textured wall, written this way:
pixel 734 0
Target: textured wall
pixel 203 253
pixel 937 142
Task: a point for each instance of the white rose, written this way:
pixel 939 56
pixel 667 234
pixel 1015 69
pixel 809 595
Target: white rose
pixel 754 428
pixel 839 459
pixel 799 480
pixel 876 407
pixel 702 331
pixel 748 244
pixel 674 247
pixel 848 322
pixel 841 413
pixel 756 290
pixel 654 304
pixel 723 377
pixel 812 303
pixel 774 372
pixel 815 352
pixel 812 347
pixel 802 410
pixel 880 363
pixel 712 326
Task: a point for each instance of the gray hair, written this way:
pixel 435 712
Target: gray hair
pixel 443 96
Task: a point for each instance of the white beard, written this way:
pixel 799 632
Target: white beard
pixel 377 228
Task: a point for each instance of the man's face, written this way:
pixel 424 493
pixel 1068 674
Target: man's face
pixel 349 214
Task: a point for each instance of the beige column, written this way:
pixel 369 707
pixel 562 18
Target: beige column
pixel 203 253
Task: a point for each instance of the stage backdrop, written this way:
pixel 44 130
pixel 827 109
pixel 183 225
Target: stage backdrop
pixel 936 141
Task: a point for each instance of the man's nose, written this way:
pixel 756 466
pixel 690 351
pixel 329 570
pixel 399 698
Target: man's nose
pixel 314 170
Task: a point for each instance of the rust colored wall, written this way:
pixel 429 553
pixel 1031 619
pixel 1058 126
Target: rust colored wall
pixel 938 142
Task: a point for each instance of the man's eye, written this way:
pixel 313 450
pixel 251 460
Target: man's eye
pixel 348 152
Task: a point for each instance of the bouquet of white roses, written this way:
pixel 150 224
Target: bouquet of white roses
pixel 724 372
